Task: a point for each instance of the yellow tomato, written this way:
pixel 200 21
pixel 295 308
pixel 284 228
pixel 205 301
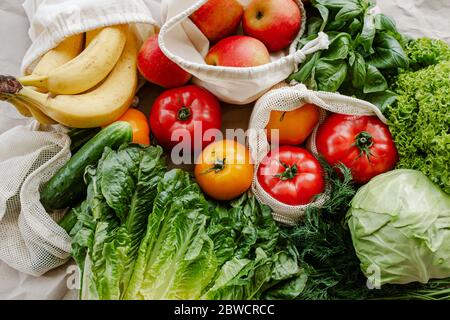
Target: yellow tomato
pixel 224 170
pixel 294 126
pixel 139 123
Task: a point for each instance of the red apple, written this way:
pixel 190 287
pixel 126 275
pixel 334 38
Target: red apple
pixel 156 68
pixel 218 19
pixel 238 51
pixel 275 22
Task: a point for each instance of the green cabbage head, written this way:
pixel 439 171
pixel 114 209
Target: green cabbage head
pixel 400 228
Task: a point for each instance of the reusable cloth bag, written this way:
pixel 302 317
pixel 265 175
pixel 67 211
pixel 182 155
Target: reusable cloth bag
pixel 182 42
pixel 288 98
pixel 30 154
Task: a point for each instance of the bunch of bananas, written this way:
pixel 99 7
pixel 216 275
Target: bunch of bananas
pixel 88 81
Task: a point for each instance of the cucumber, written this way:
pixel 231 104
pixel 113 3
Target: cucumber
pixel 79 137
pixel 67 186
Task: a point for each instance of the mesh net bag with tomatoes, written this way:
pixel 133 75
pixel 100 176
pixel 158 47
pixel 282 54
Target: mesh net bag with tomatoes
pixel 288 174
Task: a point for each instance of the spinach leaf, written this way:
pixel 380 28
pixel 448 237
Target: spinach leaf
pixel 330 75
pixel 375 81
pixel 389 53
pixel 358 70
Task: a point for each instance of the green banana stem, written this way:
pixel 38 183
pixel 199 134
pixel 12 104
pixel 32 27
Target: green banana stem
pixel 33 81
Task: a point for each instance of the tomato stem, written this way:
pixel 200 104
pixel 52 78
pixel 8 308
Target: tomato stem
pixel 364 141
pixel 184 113
pixel 218 166
pixel 289 173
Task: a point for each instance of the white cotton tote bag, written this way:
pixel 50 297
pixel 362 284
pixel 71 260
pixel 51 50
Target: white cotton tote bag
pixel 182 42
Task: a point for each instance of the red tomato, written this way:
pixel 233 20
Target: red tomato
pixel 291 175
pixel 362 143
pixel 182 111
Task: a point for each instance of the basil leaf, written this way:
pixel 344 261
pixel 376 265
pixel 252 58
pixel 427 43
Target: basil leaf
pixel 314 25
pixel 382 99
pixel 311 82
pixel 365 39
pixel 325 14
pixel 383 22
pixel 303 41
pixel 330 74
pixel 355 26
pixel 389 53
pixel 336 25
pixel 358 71
pixel 349 12
pixel 306 69
pixel 339 47
pixel 375 81
pixel 335 4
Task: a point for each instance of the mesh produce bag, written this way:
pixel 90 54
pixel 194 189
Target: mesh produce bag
pixel 288 98
pixel 30 239
pixel 183 43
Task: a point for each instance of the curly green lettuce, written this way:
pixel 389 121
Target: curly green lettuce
pixel 426 52
pixel 420 121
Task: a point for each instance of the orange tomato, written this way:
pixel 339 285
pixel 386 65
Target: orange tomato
pixel 141 128
pixel 224 170
pixel 294 126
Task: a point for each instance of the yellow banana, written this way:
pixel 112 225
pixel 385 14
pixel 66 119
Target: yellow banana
pixel 41 117
pixel 90 35
pixel 23 110
pixel 96 108
pixel 86 70
pixel 67 50
pixel 28 110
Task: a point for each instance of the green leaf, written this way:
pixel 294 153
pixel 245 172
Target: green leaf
pixel 306 69
pixel 367 36
pixel 335 4
pixel 339 47
pixel 325 14
pixel 355 26
pixel 388 54
pixel 314 25
pixel 176 259
pixel 385 23
pixel 375 81
pixel 336 25
pixel 358 71
pixel 349 12
pixel 330 75
pixel 311 82
pixel 382 99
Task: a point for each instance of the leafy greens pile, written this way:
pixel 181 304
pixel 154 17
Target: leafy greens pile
pixel 144 233
pixel 365 50
pixel 420 117
pixel 325 246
